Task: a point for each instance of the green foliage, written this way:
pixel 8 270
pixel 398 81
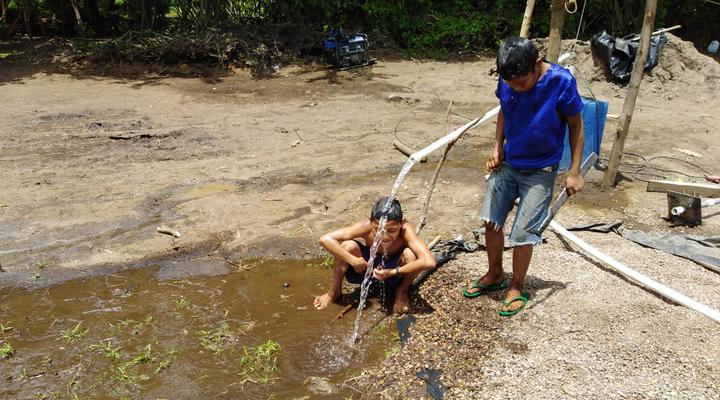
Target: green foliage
pixel 259 363
pixel 74 333
pixel 424 27
pixel 108 349
pixel 6 350
pixel 326 263
pixel 213 339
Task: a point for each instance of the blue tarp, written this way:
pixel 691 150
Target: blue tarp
pixel 594 114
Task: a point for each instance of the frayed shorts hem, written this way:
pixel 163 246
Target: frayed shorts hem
pixel 497 226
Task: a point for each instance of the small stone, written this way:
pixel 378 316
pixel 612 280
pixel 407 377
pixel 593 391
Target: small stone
pixel 286 284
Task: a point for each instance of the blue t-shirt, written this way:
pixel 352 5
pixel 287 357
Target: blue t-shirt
pixel 534 129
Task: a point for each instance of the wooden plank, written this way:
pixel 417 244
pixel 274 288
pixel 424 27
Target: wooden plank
pixel 692 189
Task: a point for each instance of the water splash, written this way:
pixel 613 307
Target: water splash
pixel 367 280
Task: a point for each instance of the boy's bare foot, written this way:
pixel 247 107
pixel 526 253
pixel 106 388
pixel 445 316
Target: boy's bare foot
pixel 402 302
pixel 510 307
pixel 484 281
pixel 325 300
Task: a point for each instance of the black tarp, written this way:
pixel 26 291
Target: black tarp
pixel 618 54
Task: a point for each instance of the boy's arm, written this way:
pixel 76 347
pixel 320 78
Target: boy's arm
pixel 497 156
pixel 331 242
pixel 425 259
pixel 575 182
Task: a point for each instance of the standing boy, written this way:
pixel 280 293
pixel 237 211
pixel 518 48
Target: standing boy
pixel 538 100
pixel 401 254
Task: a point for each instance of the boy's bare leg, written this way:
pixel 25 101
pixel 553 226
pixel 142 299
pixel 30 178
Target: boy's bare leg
pixel 402 297
pixel 339 269
pixel 494 243
pixel 521 263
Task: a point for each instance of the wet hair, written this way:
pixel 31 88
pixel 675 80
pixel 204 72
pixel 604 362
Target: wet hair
pixel 393 210
pixel 516 57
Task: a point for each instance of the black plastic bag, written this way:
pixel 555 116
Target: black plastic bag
pixel 618 54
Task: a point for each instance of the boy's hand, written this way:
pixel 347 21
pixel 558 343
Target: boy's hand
pixel 381 274
pixel 495 160
pixel 574 184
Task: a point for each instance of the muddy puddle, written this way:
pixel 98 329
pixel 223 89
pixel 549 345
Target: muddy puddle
pixel 249 334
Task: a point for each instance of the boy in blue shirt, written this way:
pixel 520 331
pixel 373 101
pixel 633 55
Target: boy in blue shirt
pixel 538 100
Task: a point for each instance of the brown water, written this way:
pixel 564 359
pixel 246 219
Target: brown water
pixel 192 338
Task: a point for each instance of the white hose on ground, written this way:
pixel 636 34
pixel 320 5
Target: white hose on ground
pixel 637 277
pixel 709 202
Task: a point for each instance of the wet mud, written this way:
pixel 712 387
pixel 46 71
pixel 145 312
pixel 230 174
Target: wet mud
pixel 248 332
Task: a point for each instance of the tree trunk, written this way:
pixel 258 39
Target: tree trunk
pixel 3 10
pixel 638 70
pixel 557 20
pixel 26 17
pixel 76 10
pixel 527 18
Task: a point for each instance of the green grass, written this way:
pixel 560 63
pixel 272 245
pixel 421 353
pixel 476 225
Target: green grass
pixel 258 364
pixel 326 263
pixel 214 338
pixel 145 356
pixel 5 328
pixel 182 304
pixel 74 333
pixel 6 350
pixel 107 348
pixel 41 263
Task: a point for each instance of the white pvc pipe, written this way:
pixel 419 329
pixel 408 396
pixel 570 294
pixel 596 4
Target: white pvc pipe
pixel 709 202
pixel 418 155
pixel 637 277
pixel 677 210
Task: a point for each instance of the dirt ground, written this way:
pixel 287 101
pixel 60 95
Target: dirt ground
pixel 241 167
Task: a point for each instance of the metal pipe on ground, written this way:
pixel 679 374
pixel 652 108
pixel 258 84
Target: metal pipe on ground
pixel 637 277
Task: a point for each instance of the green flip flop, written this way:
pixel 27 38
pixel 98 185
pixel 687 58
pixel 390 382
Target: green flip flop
pixel 482 289
pixel 523 297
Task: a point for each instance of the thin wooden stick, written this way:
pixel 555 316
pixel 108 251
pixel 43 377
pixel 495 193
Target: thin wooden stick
pixel 428 196
pixel 345 310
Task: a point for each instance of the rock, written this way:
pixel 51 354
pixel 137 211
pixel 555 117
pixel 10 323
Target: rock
pixel 319 385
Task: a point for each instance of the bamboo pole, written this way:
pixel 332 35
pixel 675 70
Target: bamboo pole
pixel 610 179
pixel 527 18
pixel 557 21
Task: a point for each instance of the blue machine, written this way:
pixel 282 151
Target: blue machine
pixel 593 113
pixel 346 51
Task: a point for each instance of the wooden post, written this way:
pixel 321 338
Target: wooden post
pixel 525 29
pixel 638 70
pixel 557 21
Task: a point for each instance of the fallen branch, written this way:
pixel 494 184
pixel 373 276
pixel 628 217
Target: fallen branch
pixel 405 149
pixel 344 311
pixel 168 231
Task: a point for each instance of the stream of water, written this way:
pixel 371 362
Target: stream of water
pixel 367 281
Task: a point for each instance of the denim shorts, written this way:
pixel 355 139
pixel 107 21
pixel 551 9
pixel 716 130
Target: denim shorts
pixel 535 190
